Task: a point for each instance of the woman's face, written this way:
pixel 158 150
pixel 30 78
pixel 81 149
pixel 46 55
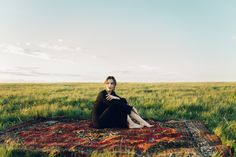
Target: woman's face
pixel 110 85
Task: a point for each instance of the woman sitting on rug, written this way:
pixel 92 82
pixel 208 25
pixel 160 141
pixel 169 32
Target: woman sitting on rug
pixel 112 111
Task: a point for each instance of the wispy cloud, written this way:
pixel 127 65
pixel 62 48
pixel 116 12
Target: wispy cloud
pixel 18 50
pixel 145 67
pixel 59 47
pixel 34 72
pixel 53 51
pixel 149 73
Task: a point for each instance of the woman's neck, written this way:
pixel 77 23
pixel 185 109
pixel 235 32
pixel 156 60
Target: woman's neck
pixel 109 92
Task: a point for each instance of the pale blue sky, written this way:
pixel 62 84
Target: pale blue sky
pixel 134 40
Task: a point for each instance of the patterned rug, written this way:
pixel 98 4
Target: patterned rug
pixel 79 138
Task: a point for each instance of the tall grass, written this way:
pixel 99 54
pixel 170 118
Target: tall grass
pixel 213 103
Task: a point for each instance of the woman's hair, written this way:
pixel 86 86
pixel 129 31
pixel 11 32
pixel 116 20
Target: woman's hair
pixel 110 77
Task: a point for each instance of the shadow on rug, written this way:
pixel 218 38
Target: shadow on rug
pixel 79 138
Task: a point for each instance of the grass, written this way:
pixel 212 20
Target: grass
pixel 213 103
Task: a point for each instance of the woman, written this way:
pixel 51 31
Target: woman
pixel 112 111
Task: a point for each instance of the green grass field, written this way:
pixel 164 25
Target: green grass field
pixel 213 103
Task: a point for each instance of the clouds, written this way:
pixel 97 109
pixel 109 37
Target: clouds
pixel 34 72
pixel 149 73
pixel 132 73
pixel 19 49
pixel 60 61
pixel 44 61
pixel 149 42
pixel 25 49
pixel 58 51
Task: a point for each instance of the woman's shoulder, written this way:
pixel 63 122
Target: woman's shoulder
pixel 102 92
pixel 114 93
pixel 101 95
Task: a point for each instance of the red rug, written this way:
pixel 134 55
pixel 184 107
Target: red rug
pixel 187 138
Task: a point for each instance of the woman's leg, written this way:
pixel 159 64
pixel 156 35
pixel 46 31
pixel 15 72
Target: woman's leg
pixel 139 119
pixel 132 124
pixel 135 110
pixel 113 116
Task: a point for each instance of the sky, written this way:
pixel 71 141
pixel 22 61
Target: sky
pixel 133 40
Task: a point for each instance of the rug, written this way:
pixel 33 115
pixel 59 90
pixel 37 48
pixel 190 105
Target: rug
pixel 79 138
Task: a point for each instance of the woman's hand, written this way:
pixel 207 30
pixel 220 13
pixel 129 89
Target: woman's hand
pixel 110 97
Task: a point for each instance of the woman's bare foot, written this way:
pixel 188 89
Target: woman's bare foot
pixel 134 125
pixel 146 124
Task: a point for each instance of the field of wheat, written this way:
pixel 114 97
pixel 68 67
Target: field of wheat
pixel 212 103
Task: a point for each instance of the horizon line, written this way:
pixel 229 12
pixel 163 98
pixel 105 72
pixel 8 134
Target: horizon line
pixel 61 82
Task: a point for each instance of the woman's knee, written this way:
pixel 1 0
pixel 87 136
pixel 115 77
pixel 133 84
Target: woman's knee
pixel 114 106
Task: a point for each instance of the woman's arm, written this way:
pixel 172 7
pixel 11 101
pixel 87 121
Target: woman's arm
pixel 109 97
pixel 100 98
pixel 122 99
